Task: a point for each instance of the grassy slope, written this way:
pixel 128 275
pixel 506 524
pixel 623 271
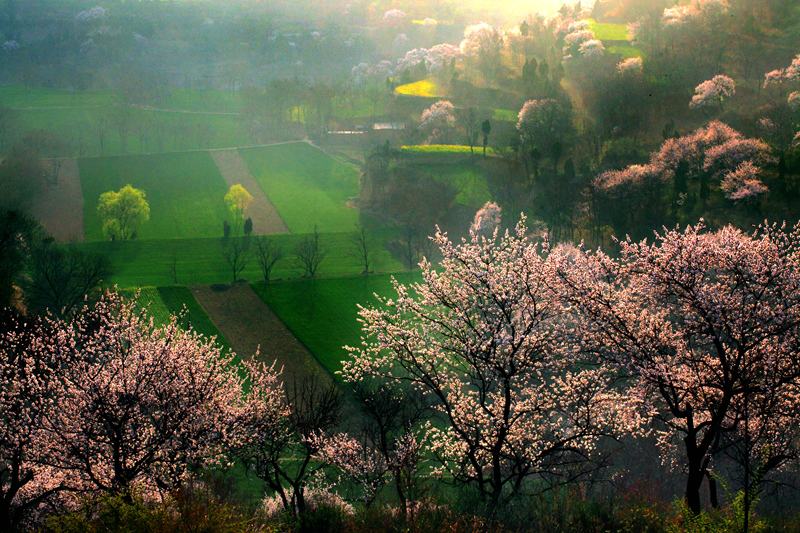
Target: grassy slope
pixel 184 190
pixel 609 32
pixel 199 261
pixel 468 180
pixel 323 313
pixel 164 302
pixel 306 186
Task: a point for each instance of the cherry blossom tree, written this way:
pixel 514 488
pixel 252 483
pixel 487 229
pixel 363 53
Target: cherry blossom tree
pixel 142 405
pixel 706 154
pixel 31 352
pixel 632 65
pixel 542 124
pixel 386 445
pixel 743 184
pixel 278 431
pixel 705 325
pixel 483 45
pixel 483 337
pixel 438 121
pixel 713 91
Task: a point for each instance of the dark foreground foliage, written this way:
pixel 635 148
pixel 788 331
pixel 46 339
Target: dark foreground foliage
pixel 208 508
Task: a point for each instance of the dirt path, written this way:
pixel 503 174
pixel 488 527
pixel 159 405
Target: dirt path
pixel 266 219
pixel 60 207
pixel 248 323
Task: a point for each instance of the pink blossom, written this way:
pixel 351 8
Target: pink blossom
pixel 592 48
pixel 774 77
pixel 743 184
pixel 632 65
pixel 713 91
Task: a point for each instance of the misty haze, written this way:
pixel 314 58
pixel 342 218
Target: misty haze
pixel 399 266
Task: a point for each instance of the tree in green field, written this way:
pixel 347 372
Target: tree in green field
pixel 122 212
pixel 237 200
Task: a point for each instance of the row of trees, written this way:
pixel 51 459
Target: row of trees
pixel 512 365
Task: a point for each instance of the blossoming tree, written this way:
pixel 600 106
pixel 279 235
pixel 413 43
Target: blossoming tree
pixel 713 91
pixel 707 327
pixel 483 336
pixel 142 404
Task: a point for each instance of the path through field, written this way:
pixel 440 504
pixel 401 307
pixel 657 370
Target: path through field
pixel 266 219
pixel 247 323
pixel 60 206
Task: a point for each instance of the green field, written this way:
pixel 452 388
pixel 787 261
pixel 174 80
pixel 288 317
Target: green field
pixel 306 186
pixel 506 115
pixel 185 192
pixel 626 51
pixel 147 263
pixel 323 313
pixel 468 180
pixel 609 32
pixel 163 303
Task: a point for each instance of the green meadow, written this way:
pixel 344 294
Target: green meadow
pixel 467 179
pixel 323 313
pixel 144 263
pixel 307 186
pixel 185 192
pixel 162 303
pixel 609 32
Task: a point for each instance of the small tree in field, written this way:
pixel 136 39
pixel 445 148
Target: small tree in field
pixel 363 247
pixel 707 326
pixel 123 212
pixel 310 253
pixel 267 253
pixel 237 200
pixel 236 253
pixel 482 336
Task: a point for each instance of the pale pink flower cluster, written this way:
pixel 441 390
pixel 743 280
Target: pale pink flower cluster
pixel 394 16
pixel 713 91
pixel 708 10
pixel 592 48
pixel 485 335
pixel 438 121
pixel 487 220
pixel 794 100
pixel 479 38
pixel 743 185
pixel 632 65
pixel 434 58
pixel 705 325
pixel 715 149
pixel 365 73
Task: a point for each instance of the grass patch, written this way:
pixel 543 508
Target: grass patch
pixel 609 32
pixel 625 50
pixel 468 180
pixel 17 96
pixel 506 115
pixel 146 263
pixel 323 313
pixel 424 88
pixel 163 303
pixel 184 190
pixel 306 186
